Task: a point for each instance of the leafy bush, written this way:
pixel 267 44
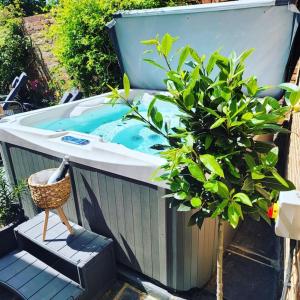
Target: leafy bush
pixel 81 42
pixel 10 210
pixel 13 46
pixel 213 164
pixel 29 7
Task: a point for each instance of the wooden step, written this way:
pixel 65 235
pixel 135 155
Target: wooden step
pixel 32 279
pixel 85 257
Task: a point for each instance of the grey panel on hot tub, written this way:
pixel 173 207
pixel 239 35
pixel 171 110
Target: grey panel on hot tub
pixel 149 237
pixel 26 162
pixel 127 211
pixel 234 25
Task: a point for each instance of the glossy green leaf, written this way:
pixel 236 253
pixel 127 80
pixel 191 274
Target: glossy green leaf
pixel 249 161
pixel 243 198
pixel 154 63
pixel 196 219
pixel 245 55
pixel 223 191
pixel 233 215
pixel 289 87
pixel 167 43
pixel 247 116
pixel 183 208
pixel 196 172
pixel 232 169
pixel 208 141
pixel 196 202
pixel 150 42
pixel 126 85
pixel 211 164
pixel 238 209
pixel 150 107
pixel 180 195
pixel 220 208
pixel 183 56
pixel 218 123
pixel 272 157
pixel 257 175
pixel 248 185
pixel 279 178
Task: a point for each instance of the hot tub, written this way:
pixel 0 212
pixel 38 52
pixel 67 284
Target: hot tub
pixel 112 193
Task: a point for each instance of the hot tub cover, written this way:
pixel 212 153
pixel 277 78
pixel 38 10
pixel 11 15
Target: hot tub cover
pixel 268 26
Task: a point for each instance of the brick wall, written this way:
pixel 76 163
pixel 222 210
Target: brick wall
pixel 42 62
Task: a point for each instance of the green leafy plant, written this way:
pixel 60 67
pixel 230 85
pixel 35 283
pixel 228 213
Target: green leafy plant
pixel 81 41
pixel 213 165
pixel 10 209
pixel 13 46
pixel 29 7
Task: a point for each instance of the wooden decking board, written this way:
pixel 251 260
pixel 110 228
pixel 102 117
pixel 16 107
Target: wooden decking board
pixel 76 245
pixel 27 274
pixel 24 227
pixel 90 250
pixel 6 261
pixel 42 279
pixel 52 288
pixel 35 280
pixel 60 241
pixel 65 292
pixel 53 234
pixel 16 267
pixel 37 231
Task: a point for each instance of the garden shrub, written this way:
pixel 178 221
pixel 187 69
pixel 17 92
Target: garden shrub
pixel 10 209
pixel 13 46
pixel 29 7
pixel 81 41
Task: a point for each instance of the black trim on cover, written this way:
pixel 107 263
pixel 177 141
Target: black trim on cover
pixel 281 2
pixel 110 26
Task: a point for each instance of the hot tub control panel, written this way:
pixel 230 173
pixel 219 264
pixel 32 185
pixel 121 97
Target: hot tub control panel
pixel 74 140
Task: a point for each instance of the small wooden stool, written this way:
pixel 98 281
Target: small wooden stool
pixel 50 196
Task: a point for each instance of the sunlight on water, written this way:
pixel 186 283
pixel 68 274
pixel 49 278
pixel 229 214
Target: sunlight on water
pixel 107 122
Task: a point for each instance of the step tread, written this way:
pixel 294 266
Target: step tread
pixel 33 279
pixel 80 247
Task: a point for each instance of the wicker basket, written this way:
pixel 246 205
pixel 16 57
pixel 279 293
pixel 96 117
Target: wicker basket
pixel 49 196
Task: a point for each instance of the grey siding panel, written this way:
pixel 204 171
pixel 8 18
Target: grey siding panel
pixel 146 230
pixel 25 163
pixel 123 212
pixel 137 224
pixel 154 225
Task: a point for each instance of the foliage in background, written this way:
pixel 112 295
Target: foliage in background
pixel 213 165
pixel 10 210
pixel 29 7
pixel 81 42
pixel 13 46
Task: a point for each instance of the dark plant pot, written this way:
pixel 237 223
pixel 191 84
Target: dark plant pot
pixel 7 238
pixel 264 138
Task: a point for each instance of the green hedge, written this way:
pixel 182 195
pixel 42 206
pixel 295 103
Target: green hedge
pixel 29 7
pixel 81 42
pixel 13 46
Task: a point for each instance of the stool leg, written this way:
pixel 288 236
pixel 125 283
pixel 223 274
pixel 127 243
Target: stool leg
pixel 45 223
pixel 64 219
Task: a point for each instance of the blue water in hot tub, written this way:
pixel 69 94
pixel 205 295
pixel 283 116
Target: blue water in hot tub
pixel 107 122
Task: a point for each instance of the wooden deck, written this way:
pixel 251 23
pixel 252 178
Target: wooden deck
pixel 35 280
pixel 77 249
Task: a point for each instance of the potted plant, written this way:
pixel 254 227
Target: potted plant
pixel 11 213
pixel 213 164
